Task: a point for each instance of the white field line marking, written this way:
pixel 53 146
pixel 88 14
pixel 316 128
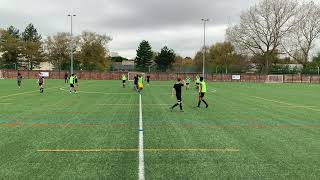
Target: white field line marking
pixel 28 92
pixel 86 92
pixel 133 104
pixel 136 150
pixel 141 153
pixel 285 103
pixel 5 103
pixel 213 91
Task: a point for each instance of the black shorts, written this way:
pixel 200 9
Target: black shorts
pixel 72 85
pixel 187 83
pixel 179 98
pixel 123 81
pixel 197 83
pixel 202 94
pixel 40 84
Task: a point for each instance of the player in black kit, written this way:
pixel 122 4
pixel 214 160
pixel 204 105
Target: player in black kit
pixel 177 88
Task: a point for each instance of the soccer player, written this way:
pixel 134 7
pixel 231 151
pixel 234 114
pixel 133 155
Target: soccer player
pixel 135 83
pixel 76 82
pixel 140 83
pixel 148 80
pixel 72 83
pixel 197 82
pixel 66 78
pixel 188 81
pixel 41 83
pixel 19 80
pixel 124 79
pixel 177 88
pixel 202 92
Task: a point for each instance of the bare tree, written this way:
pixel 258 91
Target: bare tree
pixel 263 27
pixel 299 43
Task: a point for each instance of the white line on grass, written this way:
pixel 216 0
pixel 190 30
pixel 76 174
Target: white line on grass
pixel 133 104
pixel 28 92
pixel 141 153
pixel 87 92
pixel 5 103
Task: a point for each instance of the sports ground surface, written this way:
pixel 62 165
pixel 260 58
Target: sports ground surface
pixel 250 131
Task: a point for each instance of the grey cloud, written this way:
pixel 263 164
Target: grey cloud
pixel 175 23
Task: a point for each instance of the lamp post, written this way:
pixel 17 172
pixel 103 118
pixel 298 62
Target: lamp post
pixel 204 45
pixel 71 44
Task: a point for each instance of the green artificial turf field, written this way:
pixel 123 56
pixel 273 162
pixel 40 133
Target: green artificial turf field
pixel 250 131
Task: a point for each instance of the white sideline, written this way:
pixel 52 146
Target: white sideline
pixel 141 152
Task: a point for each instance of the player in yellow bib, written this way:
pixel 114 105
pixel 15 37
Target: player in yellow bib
pixel 72 84
pixel 140 83
pixel 202 92
pixel 124 79
pixel 197 82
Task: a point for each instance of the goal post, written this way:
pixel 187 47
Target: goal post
pixel 275 79
pixel 131 75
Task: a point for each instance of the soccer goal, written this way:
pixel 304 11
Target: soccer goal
pixel 131 75
pixel 275 79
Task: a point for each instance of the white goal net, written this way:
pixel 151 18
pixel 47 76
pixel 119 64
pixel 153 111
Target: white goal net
pixel 131 75
pixel 275 79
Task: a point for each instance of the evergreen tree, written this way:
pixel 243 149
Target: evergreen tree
pixel 32 50
pixel 165 59
pixel 144 56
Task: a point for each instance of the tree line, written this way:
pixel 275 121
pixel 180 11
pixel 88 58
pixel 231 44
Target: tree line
pixel 274 31
pixel 27 49
pixel 269 36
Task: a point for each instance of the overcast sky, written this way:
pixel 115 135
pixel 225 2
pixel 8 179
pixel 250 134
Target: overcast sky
pixel 175 23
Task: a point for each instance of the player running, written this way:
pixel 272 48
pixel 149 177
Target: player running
pixel 202 92
pixel 188 81
pixel 177 88
pixel 72 83
pixel 197 82
pixel 41 83
pixel 19 80
pixel 124 79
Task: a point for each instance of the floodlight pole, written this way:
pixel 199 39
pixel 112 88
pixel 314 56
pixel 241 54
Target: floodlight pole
pixel 71 44
pixel 204 45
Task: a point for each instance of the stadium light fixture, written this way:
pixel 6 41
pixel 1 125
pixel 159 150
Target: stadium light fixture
pixel 71 43
pixel 205 20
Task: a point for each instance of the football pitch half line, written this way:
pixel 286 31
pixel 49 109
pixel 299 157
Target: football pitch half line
pixel 141 148
pixel 157 150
